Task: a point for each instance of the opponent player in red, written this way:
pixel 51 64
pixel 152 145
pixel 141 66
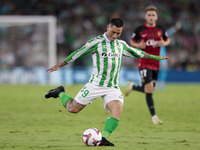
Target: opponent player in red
pixel 148 37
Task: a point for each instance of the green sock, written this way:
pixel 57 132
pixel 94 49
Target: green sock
pixel 110 126
pixel 64 98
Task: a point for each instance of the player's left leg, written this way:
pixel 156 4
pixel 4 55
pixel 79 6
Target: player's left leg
pixel 148 88
pixel 140 88
pixel 68 102
pixel 54 92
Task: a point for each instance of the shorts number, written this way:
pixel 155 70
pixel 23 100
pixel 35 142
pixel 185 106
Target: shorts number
pixel 85 93
pixel 143 73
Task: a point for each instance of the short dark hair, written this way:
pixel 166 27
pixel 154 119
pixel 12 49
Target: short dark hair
pixel 117 22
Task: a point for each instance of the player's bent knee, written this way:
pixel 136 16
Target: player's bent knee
pixel 149 91
pixel 116 110
pixel 149 88
pixel 116 114
pixel 74 110
pixel 119 112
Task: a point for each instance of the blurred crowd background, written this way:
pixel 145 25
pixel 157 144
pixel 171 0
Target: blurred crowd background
pixel 81 20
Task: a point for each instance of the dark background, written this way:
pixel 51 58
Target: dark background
pixel 79 21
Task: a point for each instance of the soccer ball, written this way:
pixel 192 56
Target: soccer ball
pixel 92 137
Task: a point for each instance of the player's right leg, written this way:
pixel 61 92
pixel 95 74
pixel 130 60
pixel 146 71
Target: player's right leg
pixel 115 107
pixel 113 101
pixel 105 142
pixel 68 102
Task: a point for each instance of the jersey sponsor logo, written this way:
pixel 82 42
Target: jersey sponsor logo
pixel 104 54
pixel 152 42
pixel 118 46
pixel 144 35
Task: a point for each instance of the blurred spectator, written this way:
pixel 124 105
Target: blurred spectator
pixel 80 20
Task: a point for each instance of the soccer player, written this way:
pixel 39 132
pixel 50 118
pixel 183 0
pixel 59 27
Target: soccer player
pixel 148 37
pixel 107 54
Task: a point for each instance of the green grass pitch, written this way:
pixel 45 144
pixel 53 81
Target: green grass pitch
pixel 28 121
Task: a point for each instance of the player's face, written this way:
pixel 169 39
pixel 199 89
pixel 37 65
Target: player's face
pixel 113 32
pixel 151 17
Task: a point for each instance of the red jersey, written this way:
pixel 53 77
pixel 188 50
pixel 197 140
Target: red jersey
pixel 151 36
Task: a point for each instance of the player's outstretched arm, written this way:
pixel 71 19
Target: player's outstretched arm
pixel 158 58
pixel 164 57
pixel 56 67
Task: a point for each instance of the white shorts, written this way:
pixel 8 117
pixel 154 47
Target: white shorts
pixel 90 92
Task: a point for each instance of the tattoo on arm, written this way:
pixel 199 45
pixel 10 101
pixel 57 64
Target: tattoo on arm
pixel 58 66
pixel 146 56
pixel 62 64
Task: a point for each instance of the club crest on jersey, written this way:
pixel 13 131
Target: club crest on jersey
pixel 159 33
pixel 104 54
pixel 104 46
pixel 118 46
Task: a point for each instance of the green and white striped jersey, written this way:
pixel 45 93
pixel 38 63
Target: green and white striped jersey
pixel 107 59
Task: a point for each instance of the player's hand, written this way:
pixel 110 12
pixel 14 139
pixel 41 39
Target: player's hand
pixel 142 44
pixel 178 25
pixel 54 68
pixel 161 42
pixel 164 57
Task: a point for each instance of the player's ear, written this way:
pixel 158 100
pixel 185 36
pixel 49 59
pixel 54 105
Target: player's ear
pixel 145 16
pixel 156 16
pixel 108 26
